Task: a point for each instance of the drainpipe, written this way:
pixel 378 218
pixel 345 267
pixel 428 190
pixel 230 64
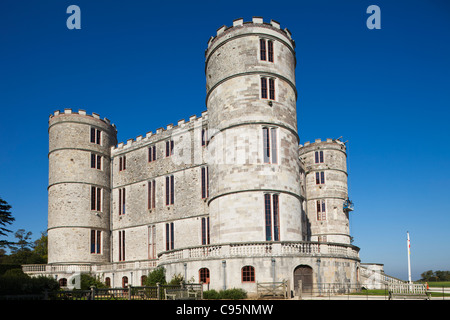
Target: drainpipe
pixel 224 265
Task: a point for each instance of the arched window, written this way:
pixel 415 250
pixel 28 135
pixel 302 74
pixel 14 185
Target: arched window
pixel 62 282
pixel 204 275
pixel 125 282
pixel 108 282
pixel 248 274
pixel 143 279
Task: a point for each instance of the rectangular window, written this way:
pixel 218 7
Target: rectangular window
pixel 151 194
pixel 276 220
pixel 321 210
pixel 170 238
pixel 151 242
pixel 96 161
pixel 151 153
pixel 96 241
pixel 205 182
pixel 170 190
pixel 204 137
pixel 96 136
pixel 268 217
pixel 122 201
pixel 270 50
pixel 122 163
pixel 320 177
pixel 96 199
pixel 262 49
pixel 271 89
pixel 319 156
pixel 264 88
pixel 272 220
pixel 270 145
pixel 169 148
pixel 205 231
pixel 122 245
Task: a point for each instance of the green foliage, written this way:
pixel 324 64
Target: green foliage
pixel 156 276
pixel 431 275
pixel 228 294
pixel 15 282
pixel 176 280
pixel 5 218
pixel 88 281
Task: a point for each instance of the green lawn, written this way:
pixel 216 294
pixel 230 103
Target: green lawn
pixel 439 284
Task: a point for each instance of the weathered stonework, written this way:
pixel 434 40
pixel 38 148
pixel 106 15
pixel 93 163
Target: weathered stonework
pixel 225 229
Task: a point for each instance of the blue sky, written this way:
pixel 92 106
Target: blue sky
pixel 141 64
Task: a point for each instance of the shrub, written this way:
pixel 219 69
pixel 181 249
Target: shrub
pixel 156 276
pixel 228 294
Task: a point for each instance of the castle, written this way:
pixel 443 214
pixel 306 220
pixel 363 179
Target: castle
pixel 228 199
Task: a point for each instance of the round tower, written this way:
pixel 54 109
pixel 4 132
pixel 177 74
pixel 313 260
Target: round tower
pixel 79 187
pixel 326 190
pixel 254 163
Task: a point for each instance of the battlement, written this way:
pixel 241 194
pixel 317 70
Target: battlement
pixel 256 21
pixel 170 128
pixel 69 111
pixel 317 142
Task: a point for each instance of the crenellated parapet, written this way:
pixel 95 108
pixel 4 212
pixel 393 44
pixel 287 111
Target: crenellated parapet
pixel 162 133
pixel 81 112
pixel 223 31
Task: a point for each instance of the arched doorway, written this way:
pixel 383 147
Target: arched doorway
pixel 305 274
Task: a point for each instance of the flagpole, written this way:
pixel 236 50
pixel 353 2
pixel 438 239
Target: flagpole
pixel 409 258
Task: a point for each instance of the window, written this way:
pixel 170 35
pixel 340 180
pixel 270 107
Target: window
pixel 321 210
pixel 170 190
pixel 122 245
pixel 152 242
pixel 271 88
pixel 270 50
pixel 96 237
pixel 272 220
pixel 122 201
pixel 205 231
pixel 96 136
pixel 319 156
pixel 205 182
pixel 270 145
pixel 203 275
pixel 264 88
pixel 151 194
pixel 96 199
pixel 169 236
pixel 204 137
pixel 96 161
pixel 248 274
pixel 262 49
pixel 320 177
pixel 124 282
pixel 152 154
pixel 322 239
pixel 122 163
pixel 169 148
pixel 266 50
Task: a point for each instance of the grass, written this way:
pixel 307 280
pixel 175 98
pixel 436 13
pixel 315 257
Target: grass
pixel 440 284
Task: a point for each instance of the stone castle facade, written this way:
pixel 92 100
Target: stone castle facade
pixel 229 199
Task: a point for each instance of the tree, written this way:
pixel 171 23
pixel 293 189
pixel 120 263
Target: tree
pixel 5 218
pixel 23 242
pixel 40 246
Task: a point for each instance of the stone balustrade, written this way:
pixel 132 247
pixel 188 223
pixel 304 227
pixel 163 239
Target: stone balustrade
pixel 222 251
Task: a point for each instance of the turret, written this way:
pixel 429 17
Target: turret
pixel 79 187
pixel 254 166
pixel 327 190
